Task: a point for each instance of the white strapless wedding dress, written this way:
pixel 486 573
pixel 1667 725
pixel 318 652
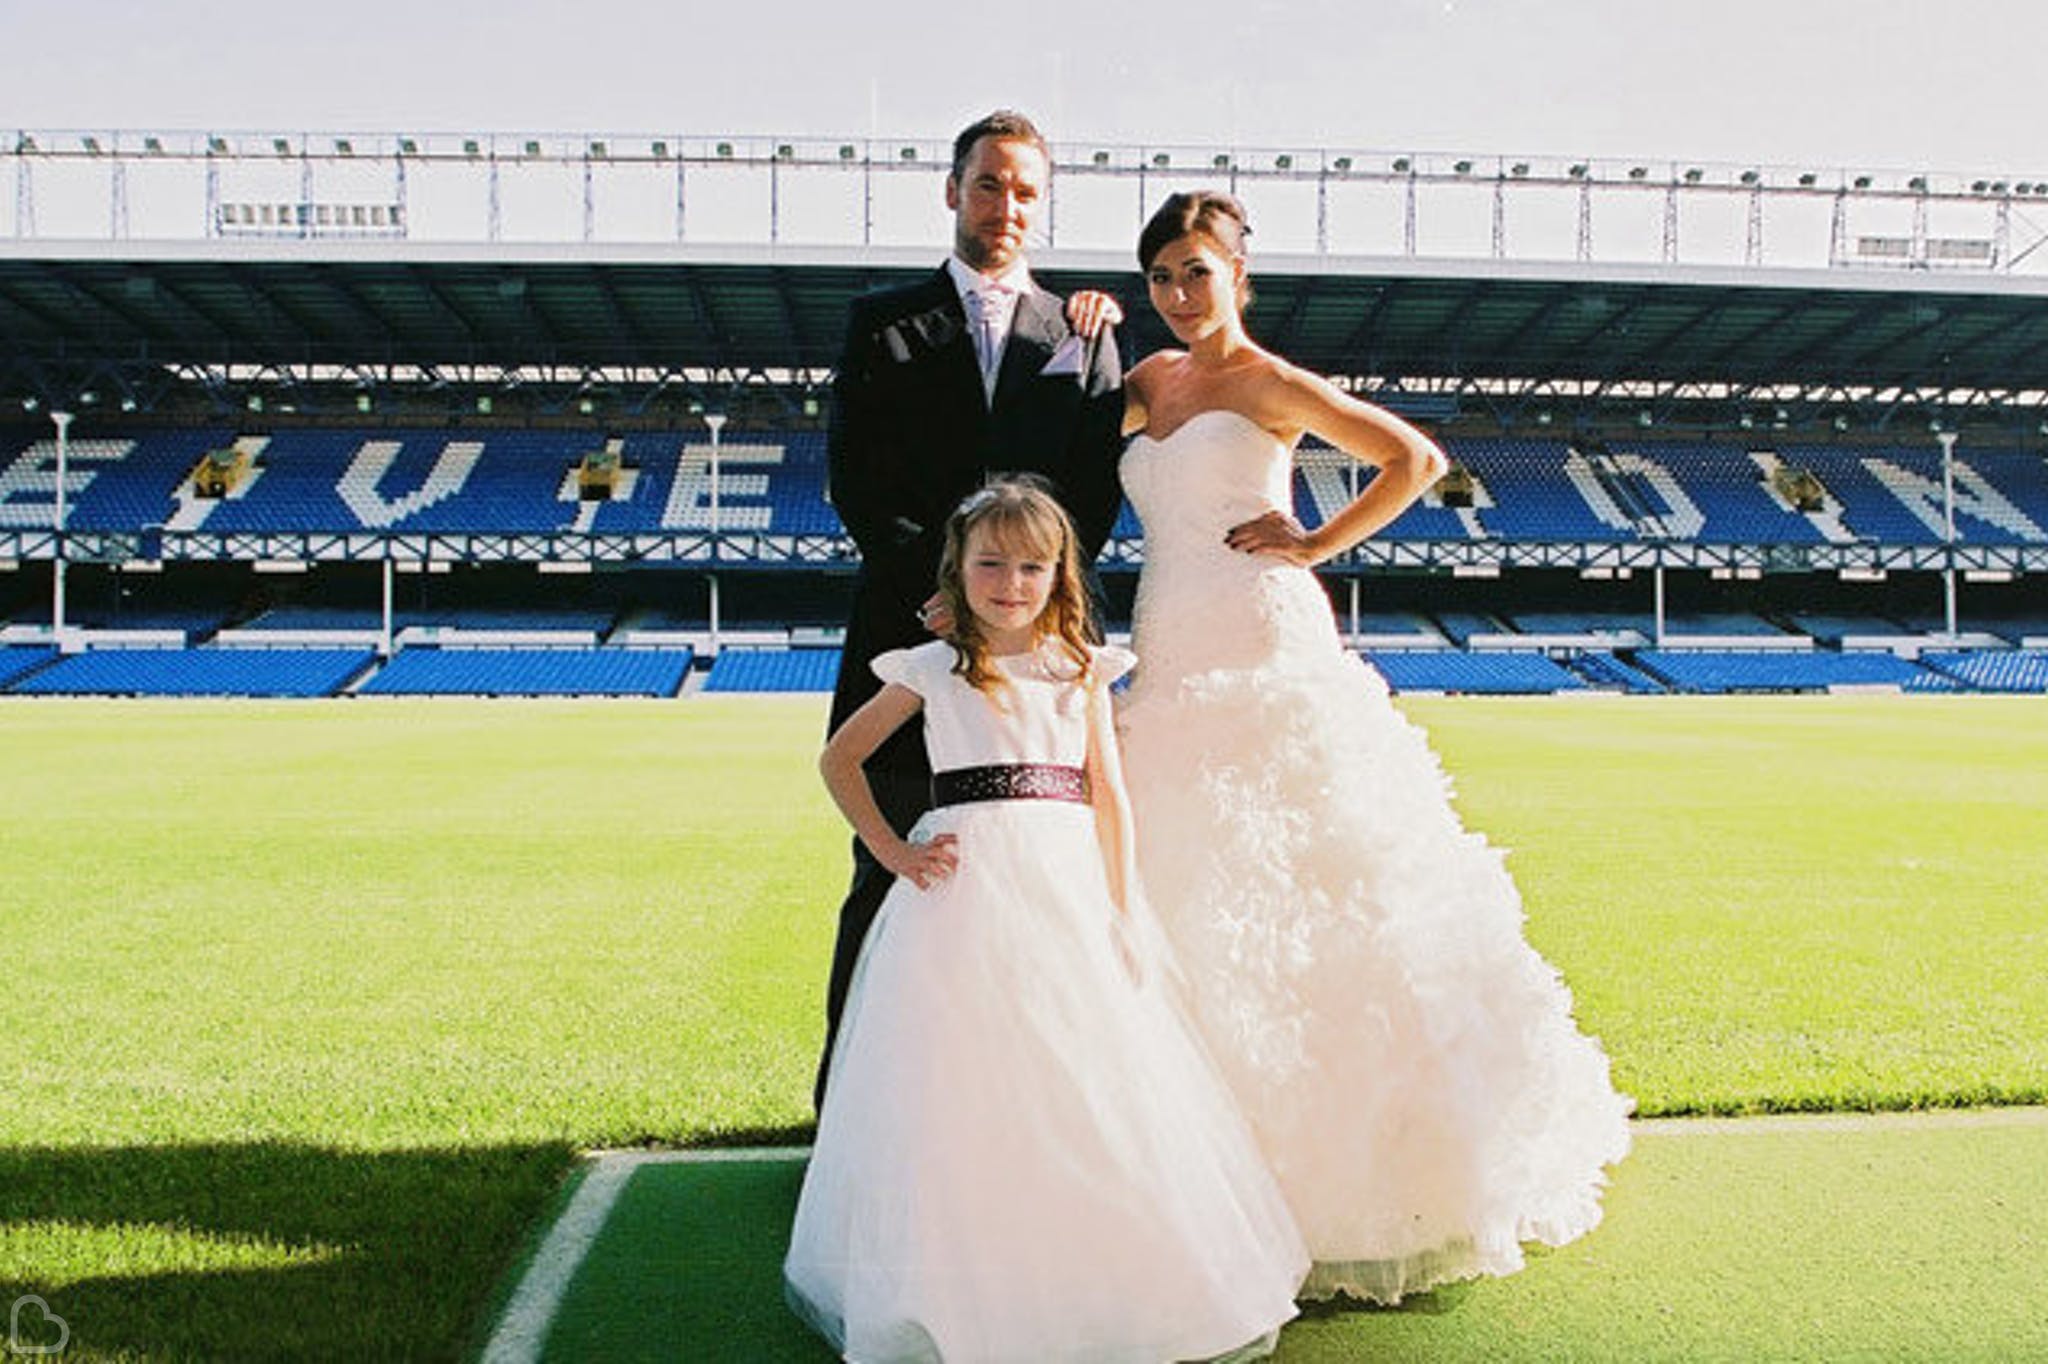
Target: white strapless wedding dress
pixel 1354 957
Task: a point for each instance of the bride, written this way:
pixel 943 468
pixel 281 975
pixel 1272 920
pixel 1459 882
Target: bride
pixel 1354 957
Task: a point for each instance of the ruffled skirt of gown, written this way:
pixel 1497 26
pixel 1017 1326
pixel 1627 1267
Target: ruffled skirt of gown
pixel 1023 1156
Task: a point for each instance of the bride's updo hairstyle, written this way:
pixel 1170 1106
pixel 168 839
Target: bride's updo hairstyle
pixel 1020 514
pixel 1208 213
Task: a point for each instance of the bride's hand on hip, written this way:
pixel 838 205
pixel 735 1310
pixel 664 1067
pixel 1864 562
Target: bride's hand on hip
pixel 1276 535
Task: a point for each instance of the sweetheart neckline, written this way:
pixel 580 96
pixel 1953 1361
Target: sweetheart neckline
pixel 1196 416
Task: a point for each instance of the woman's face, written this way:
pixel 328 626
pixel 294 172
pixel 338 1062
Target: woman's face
pixel 1194 286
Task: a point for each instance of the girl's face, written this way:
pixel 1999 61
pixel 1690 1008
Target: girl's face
pixel 1007 588
pixel 1194 286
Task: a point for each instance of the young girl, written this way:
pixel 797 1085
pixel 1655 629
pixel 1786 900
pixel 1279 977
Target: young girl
pixel 1023 1155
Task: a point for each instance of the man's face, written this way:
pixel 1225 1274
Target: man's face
pixel 996 200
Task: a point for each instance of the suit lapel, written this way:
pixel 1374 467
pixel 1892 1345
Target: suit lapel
pixel 1036 329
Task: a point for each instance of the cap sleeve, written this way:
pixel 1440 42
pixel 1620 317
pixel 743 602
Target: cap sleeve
pixel 896 666
pixel 915 668
pixel 1112 662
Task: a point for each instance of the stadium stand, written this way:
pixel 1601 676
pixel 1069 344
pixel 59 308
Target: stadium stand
pixel 1711 493
pixel 2003 670
pixel 1606 672
pixel 531 672
pixel 773 670
pixel 1715 671
pixel 513 481
pixel 197 672
pixel 18 660
pixel 1489 674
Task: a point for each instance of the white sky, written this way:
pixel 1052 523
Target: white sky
pixel 1884 84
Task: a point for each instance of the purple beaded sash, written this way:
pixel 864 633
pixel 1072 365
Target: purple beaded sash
pixel 1009 781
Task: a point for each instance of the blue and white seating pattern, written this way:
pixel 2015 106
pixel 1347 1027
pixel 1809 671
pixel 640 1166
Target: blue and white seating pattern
pixel 773 483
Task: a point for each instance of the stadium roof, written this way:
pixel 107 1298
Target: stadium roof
pixel 66 309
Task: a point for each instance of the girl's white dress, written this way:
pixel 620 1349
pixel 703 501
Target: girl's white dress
pixel 1024 1153
pixel 1355 958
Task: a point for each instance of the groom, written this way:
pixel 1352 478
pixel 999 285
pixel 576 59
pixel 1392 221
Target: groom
pixel 969 372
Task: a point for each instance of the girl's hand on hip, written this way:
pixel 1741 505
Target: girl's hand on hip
pixel 925 864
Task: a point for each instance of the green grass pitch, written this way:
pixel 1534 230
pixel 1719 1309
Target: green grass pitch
pixel 310 1005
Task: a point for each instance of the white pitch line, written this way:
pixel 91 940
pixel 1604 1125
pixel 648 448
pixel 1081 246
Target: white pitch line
pixel 523 1329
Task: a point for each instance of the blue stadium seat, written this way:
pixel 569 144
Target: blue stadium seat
pixel 531 672
pixel 18 660
pixel 2009 670
pixel 1715 671
pixel 198 672
pixel 783 670
pixel 1479 673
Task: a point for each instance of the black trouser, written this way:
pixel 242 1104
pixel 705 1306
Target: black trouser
pixel 903 796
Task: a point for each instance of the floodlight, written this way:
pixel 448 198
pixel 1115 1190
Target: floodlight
pixel 255 403
pixel 724 149
pixel 846 151
pixel 282 146
pixel 408 146
pixel 471 147
pixel 483 404
pixel 1746 421
pixel 532 148
pixel 785 152
pixel 585 406
pixel 810 406
pixel 87 398
pixel 1222 161
pixel 1808 179
pixel 1401 164
pixel 1578 170
pixel 1694 175
pixel 1343 165
pixel 1980 186
pixel 1161 160
pixel 153 145
pixel 31 403
pixel 599 151
pixel 1100 158
pixel 1519 169
pixel 1998 186
pixel 1462 167
pixel 1638 172
pixel 1283 162
pixel 660 150
pixel 344 147
pixel 91 145
pixel 362 402
pixel 1749 177
pixel 1841 422
pixel 908 154
pixel 26 144
pixel 1644 419
pixel 218 146
pixel 127 404
pixel 1918 184
pixel 1862 182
